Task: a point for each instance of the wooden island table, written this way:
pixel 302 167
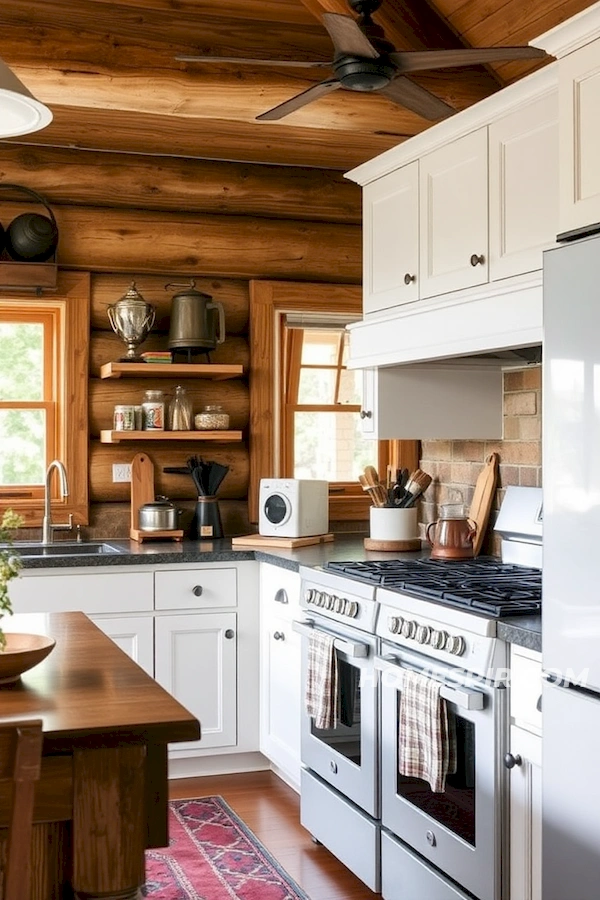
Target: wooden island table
pixel 102 798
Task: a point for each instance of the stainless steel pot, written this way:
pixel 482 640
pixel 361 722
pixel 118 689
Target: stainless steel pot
pixel 160 515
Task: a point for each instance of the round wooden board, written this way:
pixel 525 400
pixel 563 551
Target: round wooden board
pixel 371 544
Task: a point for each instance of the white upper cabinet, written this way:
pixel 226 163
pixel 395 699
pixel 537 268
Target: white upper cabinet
pixel 391 240
pixel 523 179
pixel 579 99
pixel 453 203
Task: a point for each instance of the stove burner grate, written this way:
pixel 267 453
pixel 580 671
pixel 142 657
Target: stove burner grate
pixel 484 585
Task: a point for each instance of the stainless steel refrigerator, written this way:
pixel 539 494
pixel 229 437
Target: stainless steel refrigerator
pixel 571 573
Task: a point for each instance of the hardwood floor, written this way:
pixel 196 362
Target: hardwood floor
pixel 271 810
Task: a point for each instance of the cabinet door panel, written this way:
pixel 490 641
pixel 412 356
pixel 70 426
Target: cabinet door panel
pixel 526 816
pixel 281 696
pixel 196 663
pixel 579 102
pixel 134 635
pixel 453 201
pixel 523 193
pixel 391 242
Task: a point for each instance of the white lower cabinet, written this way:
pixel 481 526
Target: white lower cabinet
pixel 133 634
pixel 525 776
pixel 280 671
pixel 196 663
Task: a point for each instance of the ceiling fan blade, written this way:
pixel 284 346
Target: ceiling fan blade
pixel 419 60
pixel 252 62
pixel 406 93
pixel 300 100
pixel 348 39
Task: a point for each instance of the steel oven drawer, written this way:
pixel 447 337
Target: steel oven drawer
pixel 405 876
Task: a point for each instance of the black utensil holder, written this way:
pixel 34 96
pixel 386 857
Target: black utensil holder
pixel 207 523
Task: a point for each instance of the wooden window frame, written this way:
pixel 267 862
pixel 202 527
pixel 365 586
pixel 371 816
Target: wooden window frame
pixel 71 301
pixel 268 301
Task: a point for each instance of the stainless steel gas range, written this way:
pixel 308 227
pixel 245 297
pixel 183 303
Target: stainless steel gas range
pixel 436 618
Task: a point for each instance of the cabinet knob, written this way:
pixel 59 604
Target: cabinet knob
pixel 281 596
pixel 229 633
pixel 365 413
pixel 408 278
pixel 511 761
pixel 477 260
pixel 197 590
pixel 279 635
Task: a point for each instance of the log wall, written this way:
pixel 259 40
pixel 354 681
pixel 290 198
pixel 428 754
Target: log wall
pixel 156 221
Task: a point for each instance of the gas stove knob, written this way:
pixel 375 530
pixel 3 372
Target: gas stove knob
pixel 458 645
pixel 352 609
pixel 395 624
pixel 309 595
pixel 437 638
pixel 339 604
pixel 409 628
pixel 319 598
pixel 329 601
pixel 423 634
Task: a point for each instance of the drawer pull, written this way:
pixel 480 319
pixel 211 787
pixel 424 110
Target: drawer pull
pixel 538 705
pixel 197 590
pixel 511 761
pixel 477 259
pixel 408 278
pixel 279 635
pixel 229 633
pixel 365 413
pixel 281 596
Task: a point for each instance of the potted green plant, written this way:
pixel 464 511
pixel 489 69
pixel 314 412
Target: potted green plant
pixel 10 563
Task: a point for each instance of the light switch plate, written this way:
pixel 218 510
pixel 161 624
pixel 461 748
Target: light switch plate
pixel 121 472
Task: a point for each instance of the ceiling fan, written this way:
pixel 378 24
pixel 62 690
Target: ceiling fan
pixel 365 61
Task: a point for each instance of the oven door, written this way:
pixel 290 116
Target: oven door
pixel 462 830
pixel 346 756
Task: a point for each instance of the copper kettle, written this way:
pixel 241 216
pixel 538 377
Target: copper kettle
pixel 453 533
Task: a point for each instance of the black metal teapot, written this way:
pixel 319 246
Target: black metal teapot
pixel 197 321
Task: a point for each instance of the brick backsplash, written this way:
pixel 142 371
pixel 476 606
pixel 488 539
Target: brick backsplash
pixel 455 465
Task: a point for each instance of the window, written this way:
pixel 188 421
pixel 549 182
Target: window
pixel 43 397
pixel 321 400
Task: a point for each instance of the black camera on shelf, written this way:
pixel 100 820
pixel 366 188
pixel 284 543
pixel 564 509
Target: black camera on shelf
pixel 30 237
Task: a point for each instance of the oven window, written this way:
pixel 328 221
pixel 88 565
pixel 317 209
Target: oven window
pixel 345 738
pixel 455 808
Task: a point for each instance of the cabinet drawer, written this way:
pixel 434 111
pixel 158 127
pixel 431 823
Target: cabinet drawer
pixel 195 588
pixel 94 592
pixel 526 687
pixel 279 592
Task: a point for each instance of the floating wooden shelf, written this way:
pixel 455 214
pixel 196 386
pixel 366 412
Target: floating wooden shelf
pixel 171 370
pixel 115 437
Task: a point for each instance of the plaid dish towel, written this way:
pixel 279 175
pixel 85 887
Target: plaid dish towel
pixel 427 737
pixel 322 681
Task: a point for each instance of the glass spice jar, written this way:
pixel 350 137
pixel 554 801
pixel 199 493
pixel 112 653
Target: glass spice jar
pixel 153 411
pixel 180 411
pixel 212 418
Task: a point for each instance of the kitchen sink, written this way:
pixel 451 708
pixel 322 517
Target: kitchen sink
pixel 63 548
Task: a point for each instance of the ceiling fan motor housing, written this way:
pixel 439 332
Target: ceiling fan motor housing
pixel 364 74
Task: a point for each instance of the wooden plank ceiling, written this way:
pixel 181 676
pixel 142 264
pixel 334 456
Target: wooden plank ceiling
pixel 108 71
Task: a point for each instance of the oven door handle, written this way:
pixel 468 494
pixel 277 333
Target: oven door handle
pixel 350 648
pixel 463 697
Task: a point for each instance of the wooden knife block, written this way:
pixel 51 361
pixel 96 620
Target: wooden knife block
pixel 142 491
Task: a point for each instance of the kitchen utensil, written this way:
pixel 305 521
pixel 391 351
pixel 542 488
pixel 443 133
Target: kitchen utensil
pixel 453 534
pixel 131 318
pixel 142 492
pixel 194 320
pixel 159 515
pixel 207 475
pixel 207 519
pixel 481 504
pixel 417 484
pixel 31 237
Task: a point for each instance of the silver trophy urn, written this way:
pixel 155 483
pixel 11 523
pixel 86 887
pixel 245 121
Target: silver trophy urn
pixel 131 318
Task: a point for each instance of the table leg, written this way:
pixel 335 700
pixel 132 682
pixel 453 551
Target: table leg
pixel 109 822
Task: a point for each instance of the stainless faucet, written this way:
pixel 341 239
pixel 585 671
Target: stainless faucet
pixel 48 528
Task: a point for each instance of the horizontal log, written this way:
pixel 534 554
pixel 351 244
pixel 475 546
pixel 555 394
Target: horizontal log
pixel 230 246
pixel 255 142
pixel 106 289
pixel 104 394
pixel 111 520
pixel 110 179
pixel 107 347
pixel 177 487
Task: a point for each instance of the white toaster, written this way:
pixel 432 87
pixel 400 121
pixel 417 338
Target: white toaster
pixel 292 507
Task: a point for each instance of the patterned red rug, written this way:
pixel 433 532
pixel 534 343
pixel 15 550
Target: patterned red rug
pixel 212 855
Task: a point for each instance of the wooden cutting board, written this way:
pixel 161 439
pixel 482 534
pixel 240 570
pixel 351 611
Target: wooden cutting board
pixel 142 491
pixel 485 488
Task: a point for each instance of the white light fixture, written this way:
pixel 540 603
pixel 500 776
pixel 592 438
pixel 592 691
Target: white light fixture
pixel 20 112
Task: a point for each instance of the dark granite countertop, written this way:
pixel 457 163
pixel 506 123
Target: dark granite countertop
pixel 522 630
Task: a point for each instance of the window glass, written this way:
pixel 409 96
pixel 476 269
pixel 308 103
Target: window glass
pixel 21 360
pixel 321 348
pixel 23 442
pixel 329 446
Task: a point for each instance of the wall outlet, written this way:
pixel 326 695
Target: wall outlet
pixel 121 472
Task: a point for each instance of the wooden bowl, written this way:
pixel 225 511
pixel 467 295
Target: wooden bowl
pixel 22 652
